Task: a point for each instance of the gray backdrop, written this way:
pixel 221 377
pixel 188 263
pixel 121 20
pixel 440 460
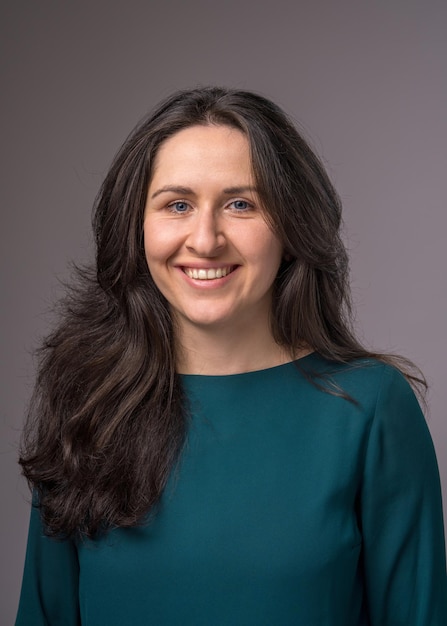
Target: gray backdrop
pixel 366 79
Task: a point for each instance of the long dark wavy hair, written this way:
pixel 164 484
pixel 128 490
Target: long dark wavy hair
pixel 107 419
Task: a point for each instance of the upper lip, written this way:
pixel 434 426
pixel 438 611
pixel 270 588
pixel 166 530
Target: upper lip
pixel 205 266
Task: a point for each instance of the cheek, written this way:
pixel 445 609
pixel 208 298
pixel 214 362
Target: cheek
pixel 158 244
pixel 271 261
pixel 269 252
pixel 156 254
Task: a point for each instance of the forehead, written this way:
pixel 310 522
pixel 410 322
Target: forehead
pixel 206 149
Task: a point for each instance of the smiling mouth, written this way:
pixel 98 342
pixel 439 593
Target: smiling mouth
pixel 208 274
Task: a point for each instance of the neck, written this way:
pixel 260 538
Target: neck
pixel 217 351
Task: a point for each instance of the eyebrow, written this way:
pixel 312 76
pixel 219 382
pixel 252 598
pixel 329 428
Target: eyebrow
pixel 184 191
pixel 236 190
pixel 187 191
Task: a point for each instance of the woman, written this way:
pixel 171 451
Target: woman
pixel 208 442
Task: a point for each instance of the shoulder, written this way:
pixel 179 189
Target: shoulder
pixel 368 370
pixel 373 385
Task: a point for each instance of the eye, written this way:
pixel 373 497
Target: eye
pixel 178 207
pixel 240 205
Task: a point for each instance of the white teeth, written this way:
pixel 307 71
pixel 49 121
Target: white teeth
pixel 203 274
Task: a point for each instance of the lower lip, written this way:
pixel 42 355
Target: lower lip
pixel 213 283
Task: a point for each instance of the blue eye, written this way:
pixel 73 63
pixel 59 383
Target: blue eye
pixel 241 205
pixel 179 207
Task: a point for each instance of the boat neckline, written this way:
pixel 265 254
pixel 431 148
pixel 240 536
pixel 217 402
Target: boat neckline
pixel 301 359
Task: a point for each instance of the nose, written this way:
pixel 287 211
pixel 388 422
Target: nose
pixel 206 237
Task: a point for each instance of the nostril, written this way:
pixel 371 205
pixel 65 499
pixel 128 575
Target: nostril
pixel 205 242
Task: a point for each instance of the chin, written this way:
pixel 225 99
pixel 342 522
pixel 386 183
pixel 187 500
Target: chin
pixel 207 321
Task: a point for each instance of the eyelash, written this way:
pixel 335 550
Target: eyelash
pixel 173 206
pixel 247 207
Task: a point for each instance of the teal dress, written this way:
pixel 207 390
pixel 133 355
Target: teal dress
pixel 290 506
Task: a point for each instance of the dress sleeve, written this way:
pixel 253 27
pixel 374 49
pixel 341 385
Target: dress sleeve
pixel 49 595
pixel 401 514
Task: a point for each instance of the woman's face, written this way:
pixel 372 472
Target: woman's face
pixel 208 246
